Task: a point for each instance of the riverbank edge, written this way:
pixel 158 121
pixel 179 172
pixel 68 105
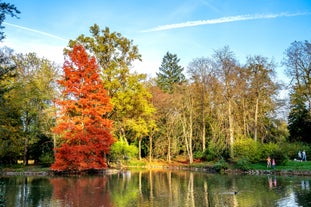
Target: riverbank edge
pixel 51 173
pixel 210 170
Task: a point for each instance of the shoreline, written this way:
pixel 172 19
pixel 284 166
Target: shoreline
pixel 210 170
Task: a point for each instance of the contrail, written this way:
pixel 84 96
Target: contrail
pixel 36 31
pixel 222 20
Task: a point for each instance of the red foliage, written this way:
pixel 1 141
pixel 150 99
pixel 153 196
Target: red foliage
pixel 85 133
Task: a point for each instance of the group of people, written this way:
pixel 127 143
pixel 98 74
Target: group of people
pixel 270 162
pixel 302 156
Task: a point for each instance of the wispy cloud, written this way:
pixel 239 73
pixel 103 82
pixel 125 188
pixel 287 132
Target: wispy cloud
pixel 35 31
pixel 223 20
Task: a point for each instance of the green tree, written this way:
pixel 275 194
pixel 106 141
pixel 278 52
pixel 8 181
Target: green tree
pixel 6 9
pixel 299 119
pixel 260 92
pixel 129 96
pixel 227 72
pixel 187 118
pixel 170 73
pixel 200 71
pixel 30 98
pixel 139 122
pixel 9 118
pixel 298 63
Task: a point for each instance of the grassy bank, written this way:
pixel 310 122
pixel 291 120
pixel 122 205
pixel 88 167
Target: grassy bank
pixel 22 168
pixel 178 164
pixel 290 165
pixel 219 165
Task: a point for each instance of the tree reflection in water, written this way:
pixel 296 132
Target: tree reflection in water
pixel 80 191
pixel 156 188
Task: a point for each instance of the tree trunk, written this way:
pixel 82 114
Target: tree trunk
pixel 203 117
pixel 25 157
pixel 190 136
pixel 139 149
pixel 231 129
pixel 244 119
pixel 256 120
pixel 150 148
pixel 169 150
pixel 187 132
pixel 203 132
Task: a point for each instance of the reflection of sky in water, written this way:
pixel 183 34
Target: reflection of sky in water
pixel 291 199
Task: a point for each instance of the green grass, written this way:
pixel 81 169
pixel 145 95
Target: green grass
pixel 290 165
pixel 21 168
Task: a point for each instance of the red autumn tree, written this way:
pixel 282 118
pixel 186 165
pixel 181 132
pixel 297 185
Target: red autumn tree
pixel 85 135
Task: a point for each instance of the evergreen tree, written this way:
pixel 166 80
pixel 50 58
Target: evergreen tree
pixel 170 73
pixel 299 120
pixel 6 9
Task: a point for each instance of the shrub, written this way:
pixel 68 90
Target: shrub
pixel 221 165
pixel 279 156
pixel 46 159
pixel 198 155
pixel 247 149
pixel 243 163
pixel 122 150
pixel 208 156
pixel 214 151
pixel 274 151
pixel 268 149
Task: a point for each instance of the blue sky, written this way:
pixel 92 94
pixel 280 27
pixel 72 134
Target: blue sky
pixel 189 28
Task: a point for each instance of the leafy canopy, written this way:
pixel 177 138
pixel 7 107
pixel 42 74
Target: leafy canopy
pixel 115 54
pixel 85 133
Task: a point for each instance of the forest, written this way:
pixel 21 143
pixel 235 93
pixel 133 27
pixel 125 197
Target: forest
pixel 95 109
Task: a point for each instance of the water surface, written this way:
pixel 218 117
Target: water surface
pixel 161 188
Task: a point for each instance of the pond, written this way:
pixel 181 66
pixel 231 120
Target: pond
pixel 155 188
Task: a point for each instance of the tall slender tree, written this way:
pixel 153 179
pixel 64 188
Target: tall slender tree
pixel 298 63
pixel 227 72
pixel 85 135
pixel 200 71
pixel 261 90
